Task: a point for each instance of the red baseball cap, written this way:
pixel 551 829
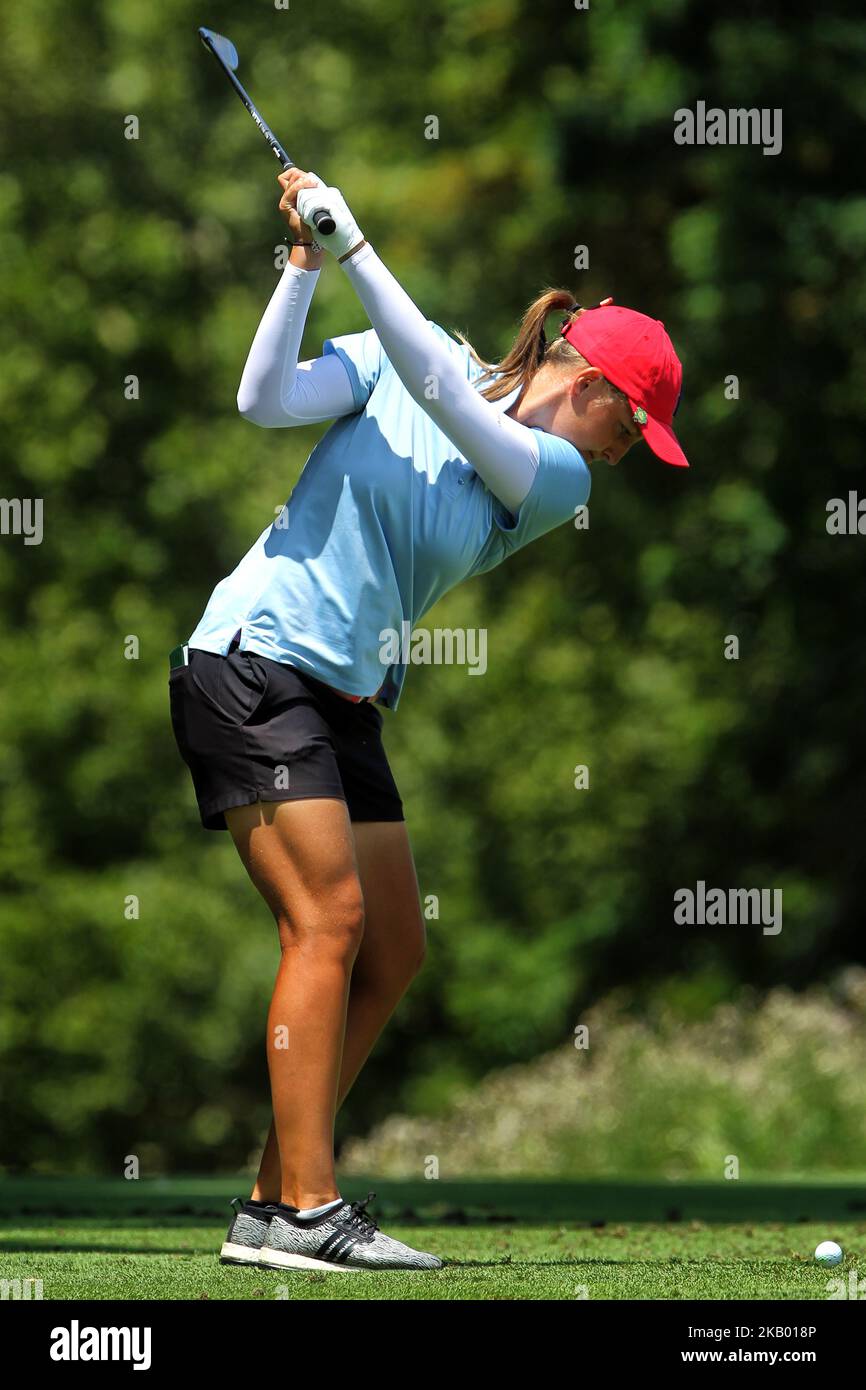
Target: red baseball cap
pixel 635 353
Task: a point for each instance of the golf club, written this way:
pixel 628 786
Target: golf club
pixel 227 56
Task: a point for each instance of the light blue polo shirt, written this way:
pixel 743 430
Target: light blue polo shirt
pixel 386 517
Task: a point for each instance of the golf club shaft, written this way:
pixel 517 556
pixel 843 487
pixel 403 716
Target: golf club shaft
pixel 321 218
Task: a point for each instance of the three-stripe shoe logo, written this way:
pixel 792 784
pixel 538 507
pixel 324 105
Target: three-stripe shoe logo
pixel 357 1227
pixel 337 1247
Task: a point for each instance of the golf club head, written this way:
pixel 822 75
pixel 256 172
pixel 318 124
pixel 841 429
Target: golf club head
pixel 222 47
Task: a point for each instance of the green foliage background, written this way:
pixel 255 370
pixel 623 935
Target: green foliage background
pixel 156 257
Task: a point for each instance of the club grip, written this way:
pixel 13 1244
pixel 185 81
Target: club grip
pixel 323 222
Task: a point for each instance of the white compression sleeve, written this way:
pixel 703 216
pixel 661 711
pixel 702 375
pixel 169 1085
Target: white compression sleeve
pixel 275 388
pixel 503 452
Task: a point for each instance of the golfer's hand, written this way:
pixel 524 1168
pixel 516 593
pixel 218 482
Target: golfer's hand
pixel 291 181
pixel 346 234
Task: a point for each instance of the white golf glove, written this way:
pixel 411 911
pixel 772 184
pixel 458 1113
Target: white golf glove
pixel 346 234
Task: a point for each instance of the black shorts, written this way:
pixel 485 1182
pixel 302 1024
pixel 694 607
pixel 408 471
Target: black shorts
pixel 251 729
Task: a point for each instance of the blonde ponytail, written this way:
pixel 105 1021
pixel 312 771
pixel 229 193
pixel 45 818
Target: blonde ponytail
pixel 530 349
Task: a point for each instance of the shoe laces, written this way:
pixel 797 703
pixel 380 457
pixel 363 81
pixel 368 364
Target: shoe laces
pixel 360 1216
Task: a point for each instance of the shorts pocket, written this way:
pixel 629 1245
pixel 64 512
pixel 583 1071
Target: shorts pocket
pixel 176 707
pixel 233 685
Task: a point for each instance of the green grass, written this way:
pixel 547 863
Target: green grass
pixel 158 1239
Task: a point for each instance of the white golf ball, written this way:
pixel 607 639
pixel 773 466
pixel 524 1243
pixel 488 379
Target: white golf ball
pixel 829 1253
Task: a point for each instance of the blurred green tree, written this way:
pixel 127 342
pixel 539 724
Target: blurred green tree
pixel 154 257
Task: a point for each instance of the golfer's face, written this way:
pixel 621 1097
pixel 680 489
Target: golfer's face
pixel 603 428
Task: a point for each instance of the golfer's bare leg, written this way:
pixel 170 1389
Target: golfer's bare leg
pixel 391 953
pixel 300 855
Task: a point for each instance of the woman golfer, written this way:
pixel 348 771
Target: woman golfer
pixel 423 480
